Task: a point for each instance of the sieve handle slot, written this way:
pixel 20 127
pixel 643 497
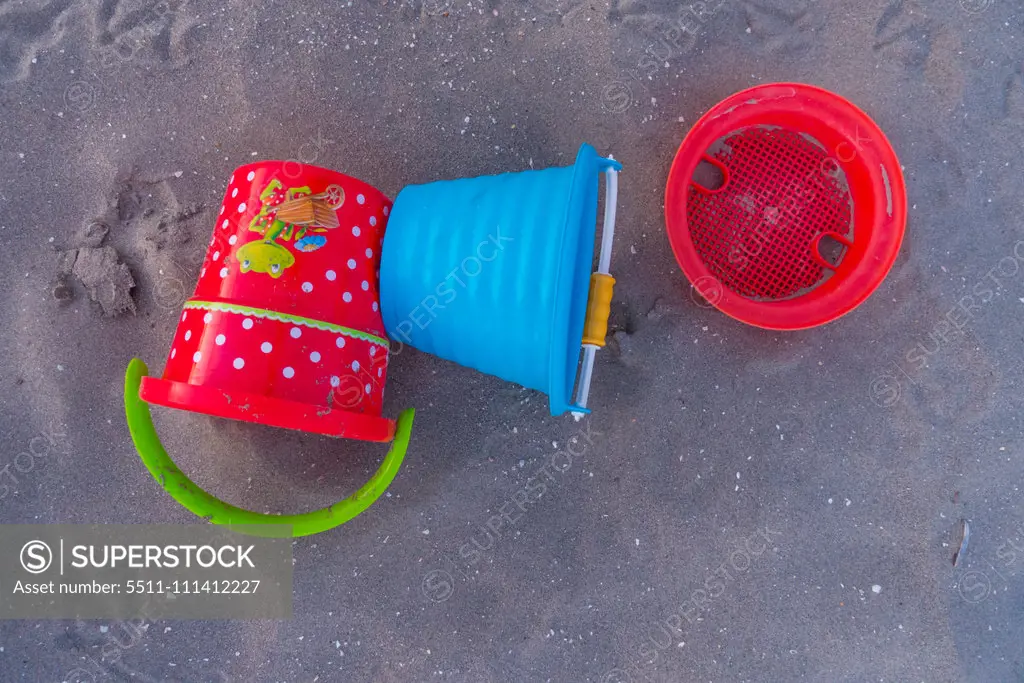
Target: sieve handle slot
pixel 816 249
pixel 721 169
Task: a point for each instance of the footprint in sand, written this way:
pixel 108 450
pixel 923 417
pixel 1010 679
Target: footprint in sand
pixel 905 33
pixel 620 9
pixel 784 26
pixel 1013 95
pixel 145 220
pixel 563 9
pixel 153 31
pixel 163 231
pixel 25 31
pixel 650 14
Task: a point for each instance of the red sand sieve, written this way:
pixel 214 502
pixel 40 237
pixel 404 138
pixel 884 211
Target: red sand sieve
pixel 785 206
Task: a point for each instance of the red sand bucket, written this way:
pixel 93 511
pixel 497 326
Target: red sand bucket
pixel 807 212
pixel 284 327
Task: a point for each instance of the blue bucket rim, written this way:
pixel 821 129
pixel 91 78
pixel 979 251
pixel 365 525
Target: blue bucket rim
pixel 568 290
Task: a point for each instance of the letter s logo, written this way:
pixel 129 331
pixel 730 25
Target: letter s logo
pixel 36 557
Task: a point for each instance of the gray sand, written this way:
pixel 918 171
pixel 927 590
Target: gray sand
pixel 707 437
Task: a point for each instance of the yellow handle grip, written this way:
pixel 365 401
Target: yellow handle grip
pixel 599 307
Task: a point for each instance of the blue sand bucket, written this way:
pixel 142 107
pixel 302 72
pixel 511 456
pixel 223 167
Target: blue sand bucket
pixel 494 273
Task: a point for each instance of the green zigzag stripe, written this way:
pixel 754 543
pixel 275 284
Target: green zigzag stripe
pixel 284 318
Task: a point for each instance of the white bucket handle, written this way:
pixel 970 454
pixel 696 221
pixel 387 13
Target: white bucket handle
pixel 611 174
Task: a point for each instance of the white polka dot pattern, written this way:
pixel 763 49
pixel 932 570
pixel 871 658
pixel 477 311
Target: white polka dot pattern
pixel 327 277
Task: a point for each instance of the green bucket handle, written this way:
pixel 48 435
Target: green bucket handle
pixel 216 511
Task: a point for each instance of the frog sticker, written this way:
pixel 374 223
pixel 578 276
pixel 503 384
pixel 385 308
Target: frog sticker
pixel 264 257
pixel 293 215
